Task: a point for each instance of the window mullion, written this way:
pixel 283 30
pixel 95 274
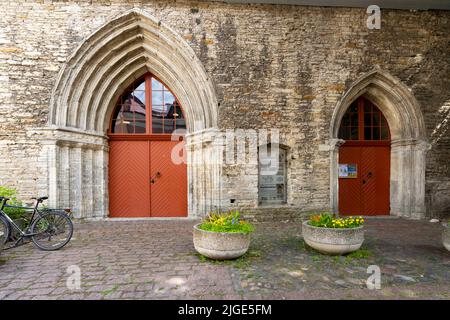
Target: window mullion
pixel 148 104
pixel 361 119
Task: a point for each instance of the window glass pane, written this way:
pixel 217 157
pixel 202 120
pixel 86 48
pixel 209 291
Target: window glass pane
pixel 125 98
pixel 367 106
pixel 123 126
pixel 354 107
pixel 156 85
pixel 341 132
pixel 139 116
pixel 368 133
pixel 180 124
pixel 367 119
pixel 179 113
pixel 169 125
pixel 157 119
pixel 354 121
pixel 169 99
pixel 157 98
pixel 139 126
pixel 346 120
pixel 354 133
pixel 384 133
pixel 345 133
pixel 170 113
pixel 139 97
pixel 272 176
pixel 376 133
pixel 127 115
pixel 376 119
pixel 141 86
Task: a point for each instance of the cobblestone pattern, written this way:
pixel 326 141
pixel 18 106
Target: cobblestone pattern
pixel 156 260
pixel 272 66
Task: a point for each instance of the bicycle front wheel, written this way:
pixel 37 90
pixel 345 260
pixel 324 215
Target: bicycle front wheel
pixel 52 231
pixel 5 228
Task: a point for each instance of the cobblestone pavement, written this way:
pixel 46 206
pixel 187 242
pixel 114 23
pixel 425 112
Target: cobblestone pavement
pixel 157 260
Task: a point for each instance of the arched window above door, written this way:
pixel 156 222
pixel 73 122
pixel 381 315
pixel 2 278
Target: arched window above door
pixel 364 121
pixel 131 115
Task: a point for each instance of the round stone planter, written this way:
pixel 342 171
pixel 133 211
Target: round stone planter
pixel 446 237
pixel 333 241
pixel 220 245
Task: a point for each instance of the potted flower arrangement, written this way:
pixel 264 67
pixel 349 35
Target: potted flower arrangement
pixel 223 236
pixel 446 236
pixel 332 235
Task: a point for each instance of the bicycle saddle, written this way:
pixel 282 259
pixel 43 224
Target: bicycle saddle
pixel 40 198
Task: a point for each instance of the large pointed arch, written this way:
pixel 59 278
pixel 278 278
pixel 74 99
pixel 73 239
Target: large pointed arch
pixel 104 64
pixel 408 134
pixel 113 57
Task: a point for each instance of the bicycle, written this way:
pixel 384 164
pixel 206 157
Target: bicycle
pixel 49 229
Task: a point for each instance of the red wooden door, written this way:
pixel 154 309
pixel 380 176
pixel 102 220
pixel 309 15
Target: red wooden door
pixel 375 172
pixel 129 190
pixel 368 193
pixel 168 181
pixel 366 148
pixel 144 181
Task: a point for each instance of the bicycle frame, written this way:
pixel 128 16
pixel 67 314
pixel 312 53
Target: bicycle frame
pixel 13 224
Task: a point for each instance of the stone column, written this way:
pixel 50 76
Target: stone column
pixel 204 167
pixel 408 158
pixel 77 172
pixel 334 176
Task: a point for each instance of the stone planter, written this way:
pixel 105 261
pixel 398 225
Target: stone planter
pixel 446 237
pixel 334 241
pixel 220 245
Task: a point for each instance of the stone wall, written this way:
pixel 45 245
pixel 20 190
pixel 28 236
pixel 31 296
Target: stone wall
pixel 272 66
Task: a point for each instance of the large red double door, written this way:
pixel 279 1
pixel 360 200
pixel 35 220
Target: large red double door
pixel 364 161
pixel 144 180
pixel 368 192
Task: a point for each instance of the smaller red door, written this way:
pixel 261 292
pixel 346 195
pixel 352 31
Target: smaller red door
pixel 375 165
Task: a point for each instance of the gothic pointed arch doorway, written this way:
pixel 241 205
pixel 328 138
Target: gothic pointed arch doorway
pixel 364 160
pixel 84 98
pixel 408 140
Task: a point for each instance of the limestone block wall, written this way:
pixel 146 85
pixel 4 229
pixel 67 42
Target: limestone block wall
pixel 272 66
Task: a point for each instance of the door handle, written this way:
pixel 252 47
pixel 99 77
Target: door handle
pixel 157 175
